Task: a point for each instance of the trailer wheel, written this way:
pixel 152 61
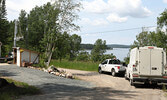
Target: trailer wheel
pixel 113 72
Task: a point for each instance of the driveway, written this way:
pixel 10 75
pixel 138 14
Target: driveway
pixel 93 86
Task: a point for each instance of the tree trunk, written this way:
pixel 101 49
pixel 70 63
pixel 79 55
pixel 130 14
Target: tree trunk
pixel 50 56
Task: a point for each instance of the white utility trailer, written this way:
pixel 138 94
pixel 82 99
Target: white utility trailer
pixel 147 64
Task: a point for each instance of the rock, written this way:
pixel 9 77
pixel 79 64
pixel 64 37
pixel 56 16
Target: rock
pixel 62 71
pixel 55 69
pixel 63 75
pixel 57 73
pixel 50 69
pixel 53 73
pixel 44 70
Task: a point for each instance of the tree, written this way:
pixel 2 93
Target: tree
pixel 98 50
pixel 62 46
pixel 36 28
pixel 61 15
pixel 75 42
pixel 3 12
pixel 23 28
pixel 162 20
pixel 4 25
pixel 83 56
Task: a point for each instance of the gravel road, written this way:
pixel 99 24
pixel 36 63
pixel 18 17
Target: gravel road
pixel 118 88
pixel 92 86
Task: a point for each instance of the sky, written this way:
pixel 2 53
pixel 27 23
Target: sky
pixel 116 21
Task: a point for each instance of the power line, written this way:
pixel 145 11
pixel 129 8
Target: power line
pixel 121 30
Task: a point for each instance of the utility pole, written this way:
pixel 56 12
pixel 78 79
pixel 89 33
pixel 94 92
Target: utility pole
pixel 0 48
pixel 15 32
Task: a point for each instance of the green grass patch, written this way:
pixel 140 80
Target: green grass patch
pixel 79 65
pixel 16 89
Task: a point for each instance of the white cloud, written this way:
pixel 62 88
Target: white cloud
pixel 116 18
pixel 165 1
pixel 96 22
pixel 15 6
pixel 122 8
pixel 96 6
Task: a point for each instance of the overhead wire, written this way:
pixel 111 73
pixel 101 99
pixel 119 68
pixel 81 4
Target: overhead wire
pixel 121 30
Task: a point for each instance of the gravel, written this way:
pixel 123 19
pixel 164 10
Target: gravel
pixel 48 83
pixel 94 87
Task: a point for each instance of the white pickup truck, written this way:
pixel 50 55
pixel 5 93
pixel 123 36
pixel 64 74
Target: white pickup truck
pixel 111 65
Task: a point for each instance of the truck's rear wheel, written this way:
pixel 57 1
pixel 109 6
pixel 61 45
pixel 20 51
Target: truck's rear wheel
pixel 113 72
pixel 99 70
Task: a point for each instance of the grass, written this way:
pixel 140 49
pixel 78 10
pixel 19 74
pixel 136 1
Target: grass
pixel 12 92
pixel 79 65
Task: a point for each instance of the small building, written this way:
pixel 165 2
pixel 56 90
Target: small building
pixel 22 56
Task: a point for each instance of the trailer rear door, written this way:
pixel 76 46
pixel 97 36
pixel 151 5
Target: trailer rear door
pixel 156 62
pixel 144 62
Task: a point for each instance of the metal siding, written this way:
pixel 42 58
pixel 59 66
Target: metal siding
pixel 33 57
pixel 25 56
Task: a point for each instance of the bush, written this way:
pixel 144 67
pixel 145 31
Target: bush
pixel 83 56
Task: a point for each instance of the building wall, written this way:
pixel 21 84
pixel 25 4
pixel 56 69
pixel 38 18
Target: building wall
pixel 18 57
pixel 25 56
pixel 33 57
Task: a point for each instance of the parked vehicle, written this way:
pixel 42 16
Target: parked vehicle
pixel 8 57
pixel 113 66
pixel 147 65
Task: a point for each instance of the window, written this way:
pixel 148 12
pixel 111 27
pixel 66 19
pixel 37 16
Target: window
pixel 104 62
pixel 114 62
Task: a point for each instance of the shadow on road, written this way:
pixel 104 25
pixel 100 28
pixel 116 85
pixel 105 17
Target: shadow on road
pixel 5 73
pixel 67 92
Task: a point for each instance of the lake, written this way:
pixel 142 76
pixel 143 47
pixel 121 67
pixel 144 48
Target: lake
pixel 120 53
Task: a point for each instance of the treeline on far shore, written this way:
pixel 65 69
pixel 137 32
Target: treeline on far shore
pixel 109 46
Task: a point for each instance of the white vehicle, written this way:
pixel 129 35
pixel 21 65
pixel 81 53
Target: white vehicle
pixel 147 65
pixel 111 65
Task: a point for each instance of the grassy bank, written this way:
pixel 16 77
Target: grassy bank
pixel 13 91
pixel 86 66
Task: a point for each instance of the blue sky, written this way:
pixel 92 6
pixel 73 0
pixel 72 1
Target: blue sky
pixel 99 16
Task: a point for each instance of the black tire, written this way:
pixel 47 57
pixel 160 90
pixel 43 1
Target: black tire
pixel 131 82
pixel 113 72
pixel 99 70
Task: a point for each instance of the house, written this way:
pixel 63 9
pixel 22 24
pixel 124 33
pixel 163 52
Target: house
pixel 22 56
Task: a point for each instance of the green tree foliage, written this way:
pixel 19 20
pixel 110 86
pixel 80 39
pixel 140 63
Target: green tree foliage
pixel 23 29
pixel 62 46
pixel 86 46
pixel 158 39
pixel 162 20
pixel 36 28
pixel 75 42
pixel 83 56
pixel 98 50
pixel 4 26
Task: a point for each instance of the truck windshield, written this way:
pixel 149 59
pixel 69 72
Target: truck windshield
pixel 114 62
